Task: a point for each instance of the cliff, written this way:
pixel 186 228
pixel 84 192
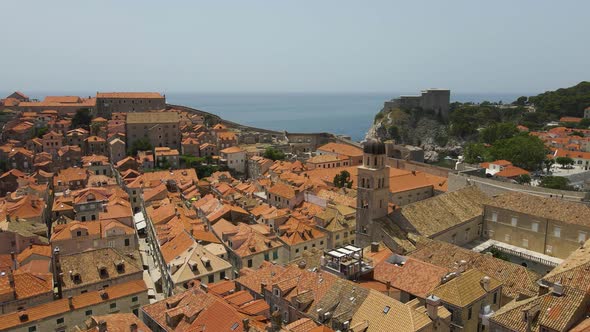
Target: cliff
pixel 416 127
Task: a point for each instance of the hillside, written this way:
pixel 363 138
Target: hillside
pixel 478 123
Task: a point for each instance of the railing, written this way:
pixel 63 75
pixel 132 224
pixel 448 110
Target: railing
pixel 525 256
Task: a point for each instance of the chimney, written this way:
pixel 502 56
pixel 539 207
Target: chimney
pixel 10 279
pixel 462 265
pixel 205 288
pixel 485 283
pixel 374 246
pixel 432 304
pixel 70 302
pixel 387 284
pixel 102 326
pixel 13 259
pixel 557 289
pixel 246 324
pixel 133 327
pixel 262 287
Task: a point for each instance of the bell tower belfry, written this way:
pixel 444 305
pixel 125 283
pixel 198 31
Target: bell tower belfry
pixel 372 192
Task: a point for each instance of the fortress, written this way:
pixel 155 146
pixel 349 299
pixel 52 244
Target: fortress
pixel 436 100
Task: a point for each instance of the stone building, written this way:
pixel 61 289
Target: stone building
pixel 549 226
pixel 158 128
pixel 109 102
pixel 436 100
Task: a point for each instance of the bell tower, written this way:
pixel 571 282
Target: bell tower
pixel 372 192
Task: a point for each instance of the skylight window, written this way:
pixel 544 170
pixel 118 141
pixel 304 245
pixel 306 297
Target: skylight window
pixel 386 309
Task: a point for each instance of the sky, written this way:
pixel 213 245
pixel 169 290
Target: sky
pixel 501 46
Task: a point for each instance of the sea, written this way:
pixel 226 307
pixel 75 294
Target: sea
pixel 349 114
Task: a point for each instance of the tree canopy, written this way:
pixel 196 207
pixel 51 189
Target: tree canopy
pixel 555 182
pixel 82 118
pixel 342 180
pixel 273 154
pixel 139 145
pixel 523 150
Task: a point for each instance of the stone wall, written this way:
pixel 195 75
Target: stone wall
pixel 494 187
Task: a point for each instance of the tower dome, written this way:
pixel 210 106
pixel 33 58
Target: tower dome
pixel 374 147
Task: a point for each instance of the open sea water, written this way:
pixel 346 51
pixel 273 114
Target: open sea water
pixel 346 114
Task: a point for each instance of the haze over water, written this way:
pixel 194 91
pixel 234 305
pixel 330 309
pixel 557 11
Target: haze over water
pixel 347 114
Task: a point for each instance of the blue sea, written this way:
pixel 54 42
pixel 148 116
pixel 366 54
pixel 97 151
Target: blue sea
pixel 346 114
pixel 349 114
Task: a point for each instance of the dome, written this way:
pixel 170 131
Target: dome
pixel 374 147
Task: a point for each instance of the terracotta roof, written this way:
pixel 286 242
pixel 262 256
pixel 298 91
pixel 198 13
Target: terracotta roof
pixel 414 276
pixel 283 190
pixel 343 149
pixel 152 117
pixel 379 312
pixel 120 322
pixel 555 313
pixel 437 214
pixel 60 307
pixel 544 207
pixel 233 149
pixel 34 249
pixel 466 288
pixel 511 171
pixel 516 279
pixel 87 265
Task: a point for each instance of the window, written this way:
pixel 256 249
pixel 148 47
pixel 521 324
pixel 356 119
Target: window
pixel 514 221
pixel 535 226
pixel 221 275
pixel 507 237
pixel 525 243
pixel 136 312
pixel 32 328
pixel 211 278
pixel 60 321
pixel 581 237
pixel 494 216
pixel 134 299
pixel 266 256
pixel 469 313
pixel 78 233
pixel 126 242
pixel 275 254
pixel 249 263
pixel 88 313
pixel 495 297
pixel 557 231
pixel 549 249
pixel 113 305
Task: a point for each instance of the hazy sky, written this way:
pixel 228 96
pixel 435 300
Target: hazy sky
pixel 294 46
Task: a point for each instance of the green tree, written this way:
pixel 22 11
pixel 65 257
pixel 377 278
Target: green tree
pixel 82 118
pixel 524 179
pixel 585 123
pixel 497 131
pixel 548 163
pixel 139 145
pixel 576 133
pixel 523 150
pixel 564 161
pixel 521 101
pixel 555 182
pixel 499 255
pixel 273 154
pixel 476 153
pixel 95 128
pixel 342 180
pixel 39 132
